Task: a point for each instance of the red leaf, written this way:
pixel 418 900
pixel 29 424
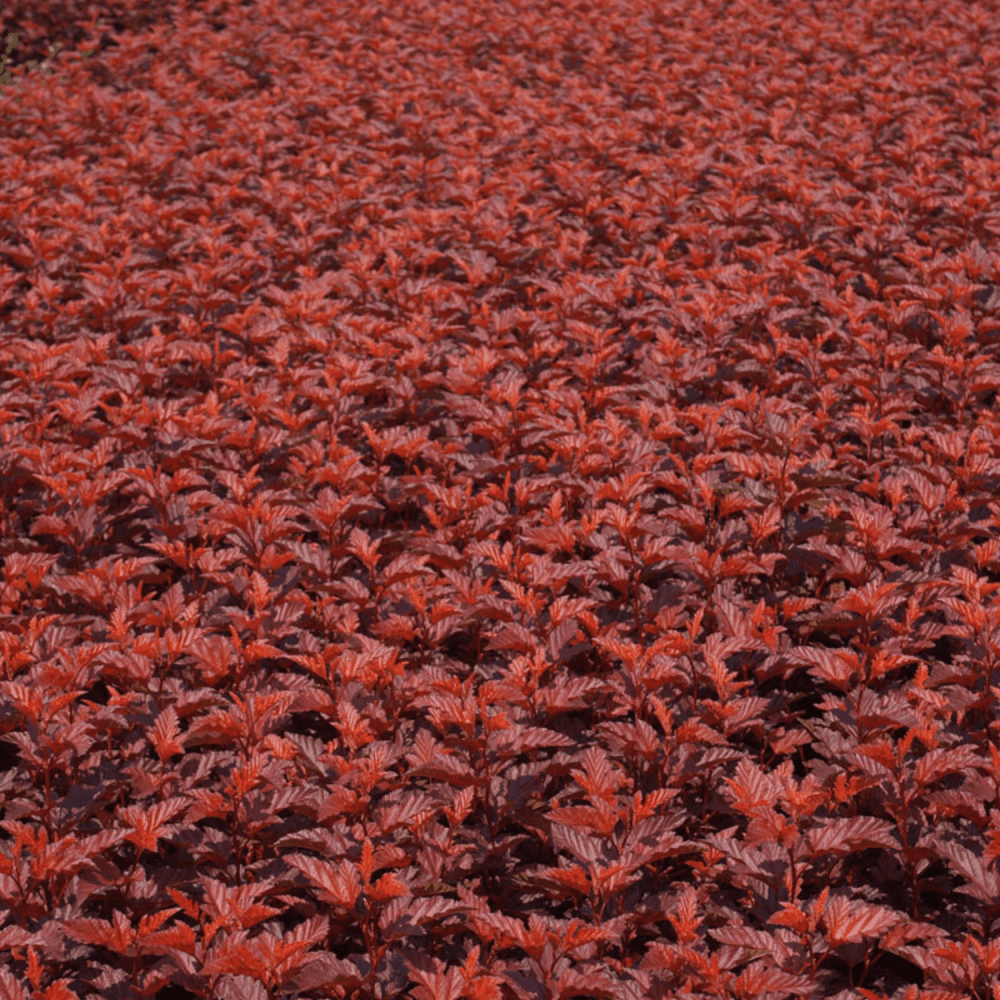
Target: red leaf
pixel 341 884
pixel 117 936
pixel 367 861
pixel 436 984
pixel 177 937
pixel 164 734
pixel 849 834
pixel 589 849
pixel 149 825
pixel 10 988
pixel 685 917
pixel 762 978
pixel 846 921
pixel 981 881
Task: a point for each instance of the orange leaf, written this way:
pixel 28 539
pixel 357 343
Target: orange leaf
pixel 388 887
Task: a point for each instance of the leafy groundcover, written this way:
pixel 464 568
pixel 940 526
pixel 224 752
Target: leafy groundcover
pixel 499 501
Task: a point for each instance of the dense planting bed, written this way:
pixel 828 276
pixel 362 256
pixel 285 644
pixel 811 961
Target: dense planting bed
pixel 499 501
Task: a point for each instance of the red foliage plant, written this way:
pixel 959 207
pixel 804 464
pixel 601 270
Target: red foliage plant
pixel 499 502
